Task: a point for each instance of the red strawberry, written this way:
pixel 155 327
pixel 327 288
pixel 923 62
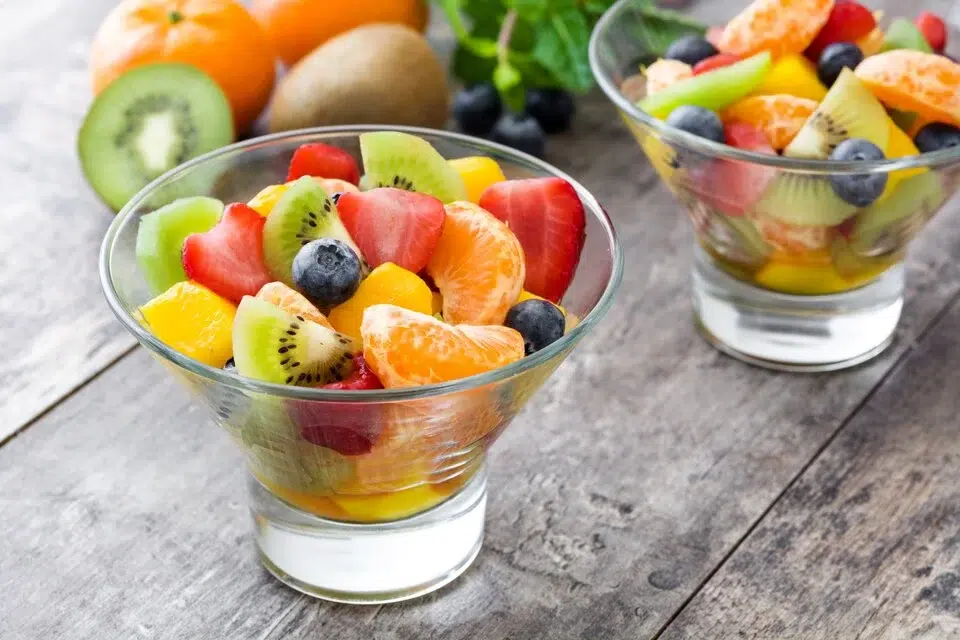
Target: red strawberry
pixel 713 35
pixel 933 29
pixel 547 216
pixel 848 22
pixel 346 427
pixel 228 259
pixel 715 62
pixel 323 161
pixel 734 187
pixel 393 225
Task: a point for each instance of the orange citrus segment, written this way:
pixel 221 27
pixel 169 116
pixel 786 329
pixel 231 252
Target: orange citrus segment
pixel 405 348
pixel 665 72
pixel 477 265
pixel 779 116
pixel 387 284
pixel 195 321
pixel 792 239
pixel 478 173
pixel 926 83
pixel 291 301
pixel 777 26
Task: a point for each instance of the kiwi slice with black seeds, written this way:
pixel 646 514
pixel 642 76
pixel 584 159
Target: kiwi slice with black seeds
pixel 849 110
pixel 403 161
pixel 303 213
pixel 148 121
pixel 889 224
pixel 803 200
pixel 272 345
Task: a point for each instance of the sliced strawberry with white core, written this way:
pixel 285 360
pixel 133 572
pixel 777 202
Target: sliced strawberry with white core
pixel 228 259
pixel 393 225
pixel 548 219
pixel 323 161
pixel 730 186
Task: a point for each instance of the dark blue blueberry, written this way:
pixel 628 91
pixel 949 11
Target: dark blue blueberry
pixel 326 271
pixel 520 131
pixel 230 366
pixel 858 189
pixel 477 108
pixel 834 58
pixel 690 49
pixel 538 321
pixel 553 108
pixel 936 136
pixel 698 121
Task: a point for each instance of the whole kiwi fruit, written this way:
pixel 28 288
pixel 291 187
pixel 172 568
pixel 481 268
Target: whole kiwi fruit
pixel 373 74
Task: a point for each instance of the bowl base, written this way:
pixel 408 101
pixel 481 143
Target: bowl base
pixel 370 563
pixel 796 333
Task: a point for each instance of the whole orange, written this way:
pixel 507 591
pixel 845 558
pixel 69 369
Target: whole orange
pixel 218 36
pixel 297 27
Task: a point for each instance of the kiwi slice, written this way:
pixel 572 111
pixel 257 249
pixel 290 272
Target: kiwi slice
pixel 903 34
pixel 404 161
pixel 803 200
pixel 713 90
pixel 848 111
pixel 148 121
pixel 272 345
pixel 888 224
pixel 161 234
pixel 303 213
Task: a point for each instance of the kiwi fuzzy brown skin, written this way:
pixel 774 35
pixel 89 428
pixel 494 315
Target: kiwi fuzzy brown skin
pixel 373 74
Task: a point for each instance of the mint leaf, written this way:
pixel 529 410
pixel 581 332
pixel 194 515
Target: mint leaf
pixel 469 68
pixel 660 27
pixel 597 8
pixel 562 49
pixel 531 11
pixel 509 83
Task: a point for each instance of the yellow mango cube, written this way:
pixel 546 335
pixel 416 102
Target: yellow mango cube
pixel 193 320
pixel 387 284
pixel 264 201
pixel 793 75
pixel 478 173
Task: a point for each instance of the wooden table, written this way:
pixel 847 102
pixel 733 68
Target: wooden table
pixel 655 488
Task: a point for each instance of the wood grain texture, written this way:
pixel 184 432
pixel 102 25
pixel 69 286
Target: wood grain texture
pixel 57 329
pixel 628 479
pixel 867 543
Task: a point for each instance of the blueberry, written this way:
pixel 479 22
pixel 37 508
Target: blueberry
pixel 326 271
pixel 520 131
pixel 538 321
pixel 936 136
pixel 230 366
pixel 477 108
pixel 553 108
pixel 690 49
pixel 859 189
pixel 698 121
pixel 834 58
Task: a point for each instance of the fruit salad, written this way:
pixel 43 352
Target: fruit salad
pixel 814 80
pixel 416 271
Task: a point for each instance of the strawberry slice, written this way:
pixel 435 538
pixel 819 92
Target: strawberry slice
pixel 848 22
pixel 730 186
pixel 393 225
pixel 547 217
pixel 228 259
pixel 346 427
pixel 323 161
pixel 933 29
pixel 715 62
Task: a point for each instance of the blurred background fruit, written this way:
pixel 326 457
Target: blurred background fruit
pixel 374 74
pixel 220 37
pixel 297 27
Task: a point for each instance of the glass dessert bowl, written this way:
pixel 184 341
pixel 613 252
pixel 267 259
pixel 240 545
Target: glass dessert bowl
pixel 797 164
pixel 359 493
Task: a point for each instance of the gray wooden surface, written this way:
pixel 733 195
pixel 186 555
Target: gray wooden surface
pixel 694 497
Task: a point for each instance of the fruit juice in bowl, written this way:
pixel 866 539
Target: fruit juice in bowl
pixel 364 311
pixel 809 141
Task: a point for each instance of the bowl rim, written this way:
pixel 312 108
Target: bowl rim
pixel 220 376
pixel 933 159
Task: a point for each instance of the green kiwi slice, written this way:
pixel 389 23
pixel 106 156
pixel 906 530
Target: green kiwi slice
pixel 272 345
pixel 713 90
pixel 803 200
pixel 303 213
pixel 888 224
pixel 848 110
pixel 161 234
pixel 404 161
pixel 903 34
pixel 148 121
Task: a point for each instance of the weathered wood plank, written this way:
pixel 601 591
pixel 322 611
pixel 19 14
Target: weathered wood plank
pixel 57 329
pixel 866 544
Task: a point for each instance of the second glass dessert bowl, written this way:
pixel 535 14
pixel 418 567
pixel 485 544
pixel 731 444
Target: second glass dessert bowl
pixel 786 274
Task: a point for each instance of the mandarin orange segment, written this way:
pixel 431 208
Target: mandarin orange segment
pixel 405 348
pixel 665 72
pixel 779 116
pixel 792 239
pixel 777 26
pixel 926 83
pixel 478 266
pixel 291 301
